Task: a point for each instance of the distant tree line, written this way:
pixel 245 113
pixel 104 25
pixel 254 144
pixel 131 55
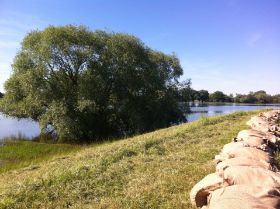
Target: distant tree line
pixel 258 97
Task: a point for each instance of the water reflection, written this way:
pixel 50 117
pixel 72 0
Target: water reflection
pixel 199 110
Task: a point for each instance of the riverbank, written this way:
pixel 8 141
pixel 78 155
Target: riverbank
pixel 154 170
pixel 15 154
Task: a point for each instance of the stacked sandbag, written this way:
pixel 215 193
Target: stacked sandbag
pixel 245 176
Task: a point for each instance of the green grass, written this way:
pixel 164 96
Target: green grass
pixel 20 153
pixel 154 170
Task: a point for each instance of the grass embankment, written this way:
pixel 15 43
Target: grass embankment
pixel 154 170
pixel 16 153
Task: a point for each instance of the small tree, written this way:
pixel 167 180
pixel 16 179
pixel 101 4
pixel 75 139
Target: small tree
pixel 262 97
pixel 89 85
pixel 203 95
pixel 217 96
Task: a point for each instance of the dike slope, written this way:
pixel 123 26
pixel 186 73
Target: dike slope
pixel 153 170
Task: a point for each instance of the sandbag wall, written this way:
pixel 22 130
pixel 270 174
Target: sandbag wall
pixel 246 176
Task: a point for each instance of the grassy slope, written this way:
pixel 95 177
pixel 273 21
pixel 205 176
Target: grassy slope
pixel 154 170
pixel 19 153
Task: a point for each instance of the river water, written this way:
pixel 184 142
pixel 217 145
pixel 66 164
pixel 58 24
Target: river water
pixel 13 127
pixel 27 128
pixel 206 110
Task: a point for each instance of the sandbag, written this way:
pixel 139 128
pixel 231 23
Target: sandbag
pixel 241 161
pixel 259 123
pixel 248 152
pixel 250 132
pixel 202 189
pixel 236 175
pixel 232 146
pixel 252 138
pixel 244 197
pixel 271 115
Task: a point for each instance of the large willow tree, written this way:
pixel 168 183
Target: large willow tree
pixel 88 85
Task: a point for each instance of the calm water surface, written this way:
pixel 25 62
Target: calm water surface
pixel 207 110
pixel 29 129
pixel 13 127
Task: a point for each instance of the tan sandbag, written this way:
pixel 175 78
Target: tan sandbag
pixel 248 152
pixel 259 123
pixel 265 124
pixel 242 161
pixel 247 202
pixel 243 197
pixel 243 135
pixel 271 115
pixel 202 189
pixel 250 132
pixel 260 140
pixel 236 175
pixel 232 146
pixel 252 138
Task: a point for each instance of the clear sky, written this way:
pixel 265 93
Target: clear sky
pixel 228 45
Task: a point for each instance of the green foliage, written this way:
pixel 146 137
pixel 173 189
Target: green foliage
pixel 276 99
pixel 91 85
pixel 1 95
pixel 185 91
pixel 203 96
pixel 188 94
pixel 260 97
pixel 219 96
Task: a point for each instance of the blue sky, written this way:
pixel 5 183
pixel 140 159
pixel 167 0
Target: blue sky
pixel 228 45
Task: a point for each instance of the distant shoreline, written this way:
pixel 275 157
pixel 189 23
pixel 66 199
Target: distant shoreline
pixel 236 103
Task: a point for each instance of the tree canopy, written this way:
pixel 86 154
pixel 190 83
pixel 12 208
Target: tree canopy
pixel 86 85
pixel 203 95
pixel 219 96
pixel 260 97
pixel 1 95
